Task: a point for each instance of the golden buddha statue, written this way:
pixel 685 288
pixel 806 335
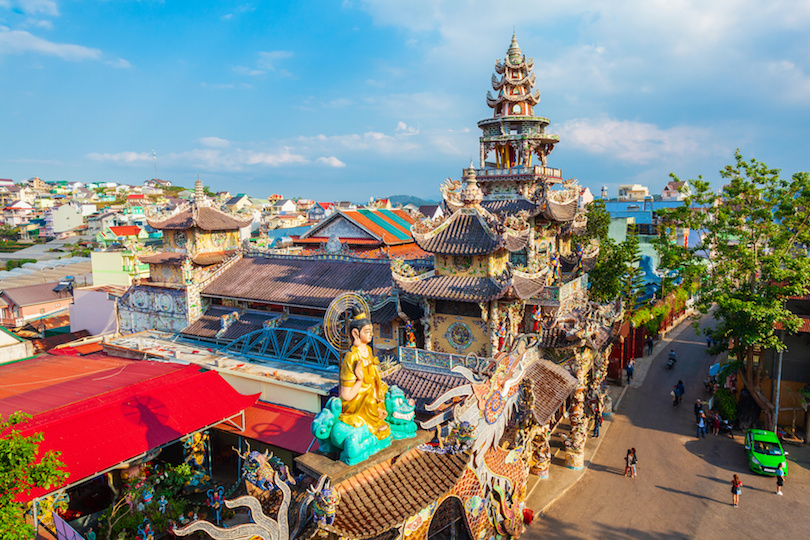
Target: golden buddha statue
pixel 361 388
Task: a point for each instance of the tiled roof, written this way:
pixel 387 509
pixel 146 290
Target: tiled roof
pixel 570 263
pixel 207 259
pixel 511 206
pixel 463 233
pixel 460 288
pixel 48 343
pixel 423 386
pixel 527 287
pixel 384 496
pixel 560 212
pixel 516 242
pixel 40 293
pixel 208 219
pixel 208 325
pixel 300 281
pixel 551 386
pixel 126 230
pixel 164 257
pixel 391 227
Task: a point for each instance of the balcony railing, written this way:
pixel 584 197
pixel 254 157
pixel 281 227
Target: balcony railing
pixel 422 357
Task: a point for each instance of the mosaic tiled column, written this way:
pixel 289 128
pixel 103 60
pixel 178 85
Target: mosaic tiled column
pixel 575 445
pixel 541 453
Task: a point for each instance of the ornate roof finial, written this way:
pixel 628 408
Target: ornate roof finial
pixel 199 192
pixel 471 195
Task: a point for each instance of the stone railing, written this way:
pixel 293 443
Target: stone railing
pixel 412 355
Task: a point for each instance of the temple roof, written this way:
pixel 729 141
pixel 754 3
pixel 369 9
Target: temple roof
pixel 465 232
pixel 551 386
pixel 421 385
pixel 512 206
pixel 176 259
pixel 205 218
pixel 459 288
pixel 384 496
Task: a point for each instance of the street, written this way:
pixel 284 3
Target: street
pixel 683 488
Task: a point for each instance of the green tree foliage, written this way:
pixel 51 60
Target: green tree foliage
pixel 20 471
pixel 756 233
pixel 614 274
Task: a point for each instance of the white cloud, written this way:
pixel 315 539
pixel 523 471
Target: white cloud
pixel 270 60
pixel 121 157
pixel 330 161
pixel 244 70
pixel 214 142
pixel 635 142
pixel 20 41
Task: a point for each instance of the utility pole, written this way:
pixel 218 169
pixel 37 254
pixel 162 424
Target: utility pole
pixel 154 156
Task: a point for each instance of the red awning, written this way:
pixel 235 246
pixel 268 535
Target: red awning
pixel 278 426
pixel 100 432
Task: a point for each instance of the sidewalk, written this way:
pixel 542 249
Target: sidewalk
pixel 543 493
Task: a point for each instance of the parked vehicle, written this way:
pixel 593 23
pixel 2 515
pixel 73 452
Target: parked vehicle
pixel 764 451
pixel 672 359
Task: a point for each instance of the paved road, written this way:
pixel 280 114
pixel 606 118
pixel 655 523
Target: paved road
pixel 683 489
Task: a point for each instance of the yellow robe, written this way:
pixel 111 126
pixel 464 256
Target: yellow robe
pixel 368 406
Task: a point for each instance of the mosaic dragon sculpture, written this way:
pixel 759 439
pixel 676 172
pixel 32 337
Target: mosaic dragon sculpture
pixel 358 443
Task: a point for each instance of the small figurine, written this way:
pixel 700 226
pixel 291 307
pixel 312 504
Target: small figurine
pixel 90 534
pixel 145 530
pixel 215 502
pixel 162 502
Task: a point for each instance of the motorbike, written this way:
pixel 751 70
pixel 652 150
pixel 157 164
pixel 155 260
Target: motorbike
pixel 672 360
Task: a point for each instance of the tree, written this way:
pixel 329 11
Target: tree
pixel 20 471
pixel 752 256
pixel 614 271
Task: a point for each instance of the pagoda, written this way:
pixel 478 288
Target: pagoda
pixel 200 242
pixel 508 258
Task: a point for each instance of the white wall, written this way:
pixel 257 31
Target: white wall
pixel 93 311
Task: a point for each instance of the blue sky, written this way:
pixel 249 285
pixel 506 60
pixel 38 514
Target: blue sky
pixel 331 100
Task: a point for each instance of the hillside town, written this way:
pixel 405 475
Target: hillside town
pixel 345 369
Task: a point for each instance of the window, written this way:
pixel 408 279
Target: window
pixel 387 331
pixel 519 258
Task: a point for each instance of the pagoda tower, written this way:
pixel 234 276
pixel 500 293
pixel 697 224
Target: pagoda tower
pixel 508 257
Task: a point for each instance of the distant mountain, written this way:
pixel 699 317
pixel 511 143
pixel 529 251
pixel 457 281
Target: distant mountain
pixel 409 199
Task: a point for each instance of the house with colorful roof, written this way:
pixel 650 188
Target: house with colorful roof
pixel 17 213
pixel 135 204
pixel 238 202
pixel 19 305
pixel 367 232
pixel 121 235
pixel 284 206
pixel 320 210
pixel 675 191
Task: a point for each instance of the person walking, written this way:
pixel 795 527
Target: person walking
pixel 736 489
pixel 597 422
pixel 634 462
pixel 674 394
pixel 631 364
pixel 701 426
pixel 715 424
pixel 681 390
pixel 780 478
pixel 628 463
pixel 698 410
pixel 649 345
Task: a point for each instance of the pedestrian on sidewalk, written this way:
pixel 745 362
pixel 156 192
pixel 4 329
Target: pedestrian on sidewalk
pixel 681 390
pixel 715 424
pixel 649 345
pixel 701 426
pixel 628 463
pixel 736 489
pixel 631 364
pixel 635 461
pixel 780 478
pixel 698 410
pixel 597 422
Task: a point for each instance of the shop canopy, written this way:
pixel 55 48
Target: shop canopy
pixel 278 426
pixel 108 429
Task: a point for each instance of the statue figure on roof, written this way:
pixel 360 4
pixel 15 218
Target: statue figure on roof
pixel 359 423
pixel 362 390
